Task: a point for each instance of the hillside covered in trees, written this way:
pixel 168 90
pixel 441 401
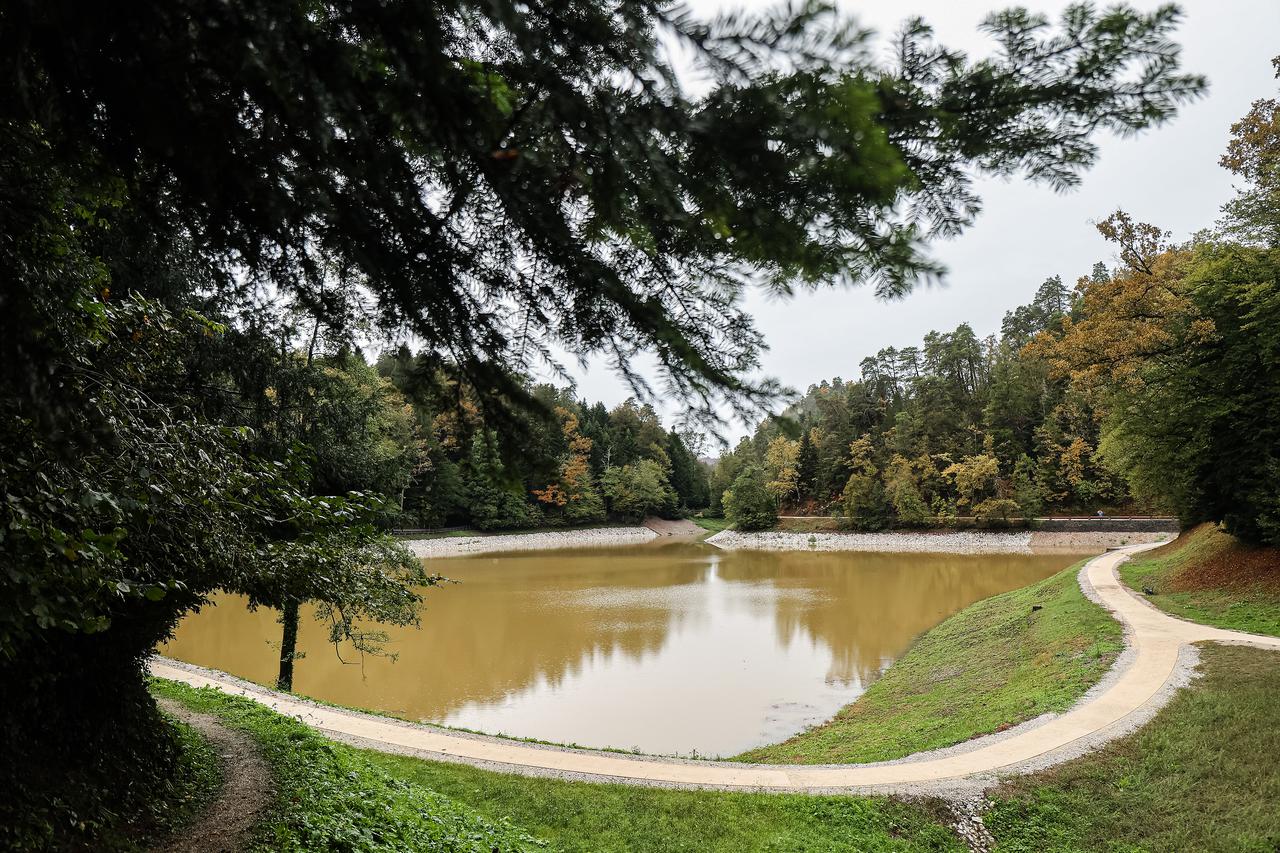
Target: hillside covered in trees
pixel 206 205
pixel 1154 384
pixel 957 425
pixel 566 461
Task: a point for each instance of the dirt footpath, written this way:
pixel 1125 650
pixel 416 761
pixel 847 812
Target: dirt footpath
pixel 225 824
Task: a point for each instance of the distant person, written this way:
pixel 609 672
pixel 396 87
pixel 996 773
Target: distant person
pixel 1100 513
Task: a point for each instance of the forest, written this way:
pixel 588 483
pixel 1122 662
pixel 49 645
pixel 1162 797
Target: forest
pixel 1153 385
pixel 956 426
pixel 424 446
pixel 566 461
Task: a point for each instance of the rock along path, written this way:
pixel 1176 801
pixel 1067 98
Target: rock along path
pixel 1153 666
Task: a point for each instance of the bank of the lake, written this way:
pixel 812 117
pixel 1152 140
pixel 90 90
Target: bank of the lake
pixel 942 541
pixel 999 662
pixel 332 796
pixel 542 540
pixel 1211 749
pixel 936 541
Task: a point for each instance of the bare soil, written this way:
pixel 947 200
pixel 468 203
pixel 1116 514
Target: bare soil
pixel 225 825
pixel 1226 563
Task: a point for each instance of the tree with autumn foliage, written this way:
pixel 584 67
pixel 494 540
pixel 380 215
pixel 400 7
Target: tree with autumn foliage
pixel 575 494
pixel 903 492
pixel 975 478
pixel 781 461
pixel 1180 351
pixel 863 498
pixel 1253 154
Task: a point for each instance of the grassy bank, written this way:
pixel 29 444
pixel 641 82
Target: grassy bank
pixel 992 665
pixel 1209 576
pixel 711 525
pixel 1201 776
pixel 576 816
pixel 332 796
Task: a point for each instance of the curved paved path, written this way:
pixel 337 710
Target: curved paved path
pixel 1155 640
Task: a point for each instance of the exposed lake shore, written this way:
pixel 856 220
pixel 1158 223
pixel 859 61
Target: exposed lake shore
pixel 900 542
pixel 935 542
pixel 594 537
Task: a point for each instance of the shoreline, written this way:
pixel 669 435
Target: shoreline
pixel 1137 686
pixel 936 542
pixel 897 541
pixel 547 540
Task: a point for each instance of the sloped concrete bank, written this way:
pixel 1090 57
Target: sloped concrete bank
pixel 936 542
pixel 596 537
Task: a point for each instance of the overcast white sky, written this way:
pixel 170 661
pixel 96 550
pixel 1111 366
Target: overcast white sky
pixel 1026 232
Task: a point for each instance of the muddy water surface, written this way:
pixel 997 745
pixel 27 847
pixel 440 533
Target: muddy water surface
pixel 674 648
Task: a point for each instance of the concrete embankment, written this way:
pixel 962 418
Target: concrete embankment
pixel 596 537
pixel 936 542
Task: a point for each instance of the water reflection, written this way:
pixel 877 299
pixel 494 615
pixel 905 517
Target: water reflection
pixel 666 648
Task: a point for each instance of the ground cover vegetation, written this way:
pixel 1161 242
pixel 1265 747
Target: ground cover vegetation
pixel 191 256
pixel 331 796
pixel 994 664
pixel 1201 776
pixel 1209 576
pixel 1151 383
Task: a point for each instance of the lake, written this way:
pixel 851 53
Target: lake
pixel 673 648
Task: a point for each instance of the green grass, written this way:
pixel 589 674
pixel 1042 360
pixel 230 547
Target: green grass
pixel 197 781
pixel 1208 576
pixel 1202 776
pixel 332 796
pixel 992 665
pixel 711 525
pixel 446 534
pixel 576 816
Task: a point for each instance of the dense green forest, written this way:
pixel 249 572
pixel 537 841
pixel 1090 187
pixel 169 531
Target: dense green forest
pixel 956 426
pixel 566 461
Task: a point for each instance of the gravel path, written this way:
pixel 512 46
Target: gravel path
pixel 1159 659
pixel 225 824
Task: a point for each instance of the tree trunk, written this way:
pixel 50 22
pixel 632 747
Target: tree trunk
pixel 288 645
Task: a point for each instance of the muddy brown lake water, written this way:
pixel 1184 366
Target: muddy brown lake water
pixel 673 648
